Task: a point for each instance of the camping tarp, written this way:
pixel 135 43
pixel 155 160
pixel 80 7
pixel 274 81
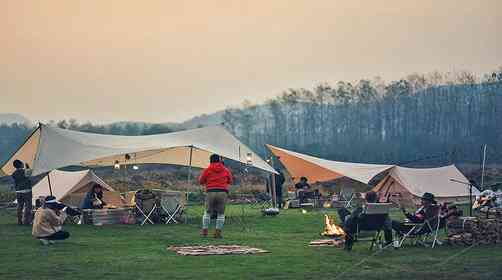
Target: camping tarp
pixel 64 184
pixel 50 148
pixel 412 183
pixel 321 170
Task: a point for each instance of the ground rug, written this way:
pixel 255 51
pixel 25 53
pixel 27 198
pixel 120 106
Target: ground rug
pixel 209 250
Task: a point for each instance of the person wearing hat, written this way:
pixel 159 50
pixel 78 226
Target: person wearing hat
pixel 23 185
pixel 424 211
pixel 49 220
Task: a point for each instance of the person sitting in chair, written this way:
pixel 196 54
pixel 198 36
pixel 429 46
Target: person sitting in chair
pixel 302 188
pixel 48 222
pixel 424 212
pixel 94 198
pixel 350 221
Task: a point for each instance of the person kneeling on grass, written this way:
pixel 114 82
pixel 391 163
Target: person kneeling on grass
pixel 48 222
pixel 217 178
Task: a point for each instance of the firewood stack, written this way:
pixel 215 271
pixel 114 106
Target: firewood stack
pixel 491 219
pixel 485 229
pixel 462 232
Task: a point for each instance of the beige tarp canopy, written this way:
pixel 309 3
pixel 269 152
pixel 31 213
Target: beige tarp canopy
pixel 50 148
pixel 412 183
pixel 321 170
pixel 67 185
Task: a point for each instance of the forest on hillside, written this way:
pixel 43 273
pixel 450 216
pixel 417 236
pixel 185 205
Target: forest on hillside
pixel 434 119
pixel 431 119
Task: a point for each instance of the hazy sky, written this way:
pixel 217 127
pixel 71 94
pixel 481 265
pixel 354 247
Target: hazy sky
pixel 158 61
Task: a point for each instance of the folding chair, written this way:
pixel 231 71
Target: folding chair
pixel 262 201
pixel 148 211
pixel 348 203
pixel 172 206
pixel 429 229
pixel 373 218
pixel 147 216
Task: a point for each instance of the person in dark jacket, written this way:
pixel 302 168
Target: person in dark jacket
pixel 217 179
pixel 350 221
pixel 279 182
pixel 302 188
pixel 23 185
pixel 94 198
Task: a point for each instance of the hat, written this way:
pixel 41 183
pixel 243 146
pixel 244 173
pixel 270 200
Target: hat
pixel 51 202
pixel 428 197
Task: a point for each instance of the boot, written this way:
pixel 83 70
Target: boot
pixel 203 232
pixel 20 217
pixel 217 234
pixel 348 243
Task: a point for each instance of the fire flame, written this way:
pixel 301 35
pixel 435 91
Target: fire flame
pixel 330 228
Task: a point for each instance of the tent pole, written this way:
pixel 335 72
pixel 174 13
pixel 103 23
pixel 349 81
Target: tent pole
pixel 470 200
pixel 274 195
pixel 49 179
pixel 189 177
pixel 483 167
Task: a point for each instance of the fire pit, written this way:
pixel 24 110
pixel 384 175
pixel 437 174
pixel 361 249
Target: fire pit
pixel 334 232
pixel 331 229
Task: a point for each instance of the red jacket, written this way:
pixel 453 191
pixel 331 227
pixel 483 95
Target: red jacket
pixel 216 176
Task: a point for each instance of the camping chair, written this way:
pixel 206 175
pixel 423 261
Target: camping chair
pixel 147 207
pixel 171 203
pixel 262 200
pixel 428 230
pixel 373 218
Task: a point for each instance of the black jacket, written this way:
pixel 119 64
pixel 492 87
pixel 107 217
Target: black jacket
pixel 21 180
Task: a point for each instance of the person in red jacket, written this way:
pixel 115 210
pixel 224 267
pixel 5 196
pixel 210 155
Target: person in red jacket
pixel 217 179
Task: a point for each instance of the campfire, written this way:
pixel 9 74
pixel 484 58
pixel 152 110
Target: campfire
pixel 331 229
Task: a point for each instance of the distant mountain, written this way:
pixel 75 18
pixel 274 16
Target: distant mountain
pixel 10 118
pixel 201 121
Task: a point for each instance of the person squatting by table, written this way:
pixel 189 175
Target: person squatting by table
pixel 49 220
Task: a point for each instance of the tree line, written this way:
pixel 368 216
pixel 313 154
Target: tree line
pixel 436 118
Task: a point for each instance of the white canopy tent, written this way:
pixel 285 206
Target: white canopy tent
pixel 49 148
pixel 319 170
pixel 412 183
pixel 63 184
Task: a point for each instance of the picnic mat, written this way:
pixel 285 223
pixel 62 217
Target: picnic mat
pixel 215 250
pixel 327 242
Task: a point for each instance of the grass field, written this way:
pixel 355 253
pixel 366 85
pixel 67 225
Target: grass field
pixel 134 252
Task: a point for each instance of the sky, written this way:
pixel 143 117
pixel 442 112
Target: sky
pixel 167 61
